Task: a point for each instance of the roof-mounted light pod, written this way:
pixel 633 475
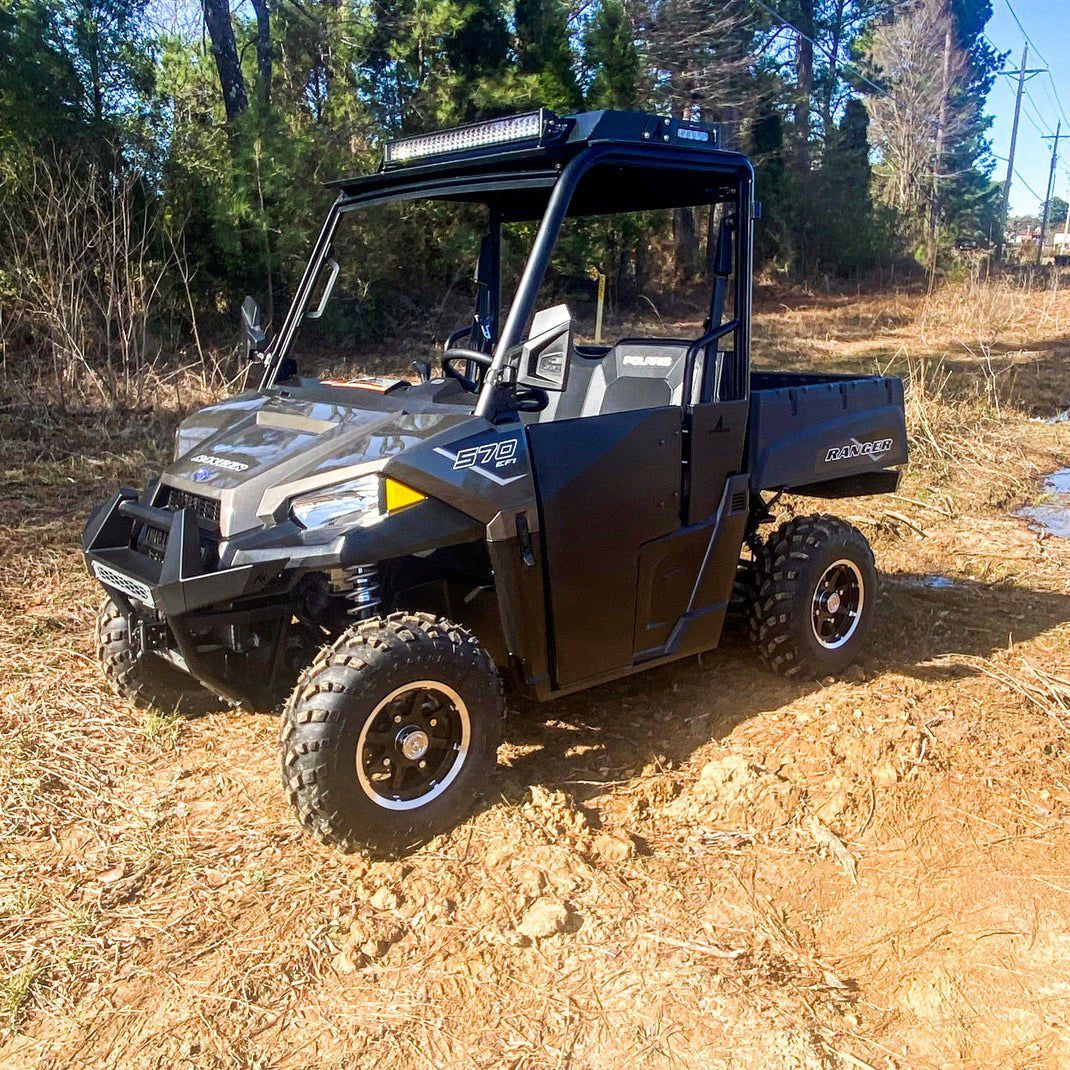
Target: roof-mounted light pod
pixel 508 130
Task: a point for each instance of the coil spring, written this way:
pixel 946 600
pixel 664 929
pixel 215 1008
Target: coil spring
pixel 363 591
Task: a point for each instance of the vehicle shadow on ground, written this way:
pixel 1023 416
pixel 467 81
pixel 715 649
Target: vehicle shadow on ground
pixel 586 743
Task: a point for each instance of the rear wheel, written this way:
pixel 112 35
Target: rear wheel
pixel 390 733
pixel 143 678
pixel 815 599
pixel 744 591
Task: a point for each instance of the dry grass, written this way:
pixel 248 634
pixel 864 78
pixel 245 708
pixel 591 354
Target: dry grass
pixel 755 872
pixel 981 314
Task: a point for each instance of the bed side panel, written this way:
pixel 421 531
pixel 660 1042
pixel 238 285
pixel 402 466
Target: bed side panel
pixel 821 431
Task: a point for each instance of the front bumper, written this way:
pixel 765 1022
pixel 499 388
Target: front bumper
pixel 178 584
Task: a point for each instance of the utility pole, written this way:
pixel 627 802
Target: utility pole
pixel 938 163
pixel 1051 189
pixel 1023 76
pixel 942 122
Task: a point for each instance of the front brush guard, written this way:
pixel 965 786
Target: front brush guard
pixel 175 586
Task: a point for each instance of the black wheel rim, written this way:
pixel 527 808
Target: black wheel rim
pixel 413 745
pixel 837 604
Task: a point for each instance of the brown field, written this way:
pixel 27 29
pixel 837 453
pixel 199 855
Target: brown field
pixel 873 873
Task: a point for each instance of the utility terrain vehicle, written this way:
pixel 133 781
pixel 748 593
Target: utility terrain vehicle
pixel 536 510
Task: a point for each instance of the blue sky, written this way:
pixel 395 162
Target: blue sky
pixel 1048 24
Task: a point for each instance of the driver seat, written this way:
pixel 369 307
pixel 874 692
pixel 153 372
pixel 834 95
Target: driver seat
pixel 634 374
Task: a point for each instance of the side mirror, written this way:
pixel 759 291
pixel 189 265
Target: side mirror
pixel 546 355
pixel 255 338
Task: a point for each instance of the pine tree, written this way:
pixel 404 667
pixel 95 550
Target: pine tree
pixel 611 58
pixel 966 191
pixel 40 90
pixel 847 177
pixel 544 53
pixel 773 187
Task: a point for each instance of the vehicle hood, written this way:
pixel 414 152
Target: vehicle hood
pixel 247 450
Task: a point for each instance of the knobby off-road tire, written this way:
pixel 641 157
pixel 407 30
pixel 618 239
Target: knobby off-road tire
pixel 744 591
pixel 389 694
pixel 144 679
pixel 815 601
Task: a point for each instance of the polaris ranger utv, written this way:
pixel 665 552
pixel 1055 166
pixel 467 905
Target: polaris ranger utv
pixel 536 510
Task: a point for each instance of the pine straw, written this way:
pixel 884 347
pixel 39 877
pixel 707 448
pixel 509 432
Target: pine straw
pixel 853 893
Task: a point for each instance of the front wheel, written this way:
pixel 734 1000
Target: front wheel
pixel 390 732
pixel 815 599
pixel 143 677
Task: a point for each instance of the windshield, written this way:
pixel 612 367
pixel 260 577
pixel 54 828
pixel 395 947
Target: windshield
pixel 631 250
pixel 399 281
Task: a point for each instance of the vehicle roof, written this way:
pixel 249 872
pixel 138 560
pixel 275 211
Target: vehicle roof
pixel 671 163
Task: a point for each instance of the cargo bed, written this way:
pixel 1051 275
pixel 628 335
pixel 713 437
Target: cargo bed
pixel 829 435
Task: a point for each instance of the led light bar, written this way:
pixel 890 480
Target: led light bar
pixel 526 127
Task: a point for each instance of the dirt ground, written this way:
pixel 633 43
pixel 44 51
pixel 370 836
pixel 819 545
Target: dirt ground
pixel 702 866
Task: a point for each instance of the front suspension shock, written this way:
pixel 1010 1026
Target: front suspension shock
pixel 363 590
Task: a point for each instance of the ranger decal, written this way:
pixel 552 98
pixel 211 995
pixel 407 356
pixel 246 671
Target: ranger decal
pixel 854 449
pixel 220 462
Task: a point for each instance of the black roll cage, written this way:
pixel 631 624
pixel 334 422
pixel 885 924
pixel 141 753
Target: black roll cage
pixel 562 180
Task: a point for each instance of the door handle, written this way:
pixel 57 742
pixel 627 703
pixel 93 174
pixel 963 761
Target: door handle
pixel 523 537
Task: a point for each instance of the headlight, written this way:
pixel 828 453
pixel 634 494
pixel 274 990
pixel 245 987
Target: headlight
pixel 355 503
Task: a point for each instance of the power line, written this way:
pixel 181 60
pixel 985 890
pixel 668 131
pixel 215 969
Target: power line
pixel 1053 96
pixel 1023 73
pixel 1054 88
pixel 1051 189
pixel 1018 175
pixel 891 96
pixel 844 64
pixel 1014 15
pixel 1035 115
pixel 1038 121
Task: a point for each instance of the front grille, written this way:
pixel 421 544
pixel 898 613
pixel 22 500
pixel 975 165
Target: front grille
pixel 175 499
pixel 153 542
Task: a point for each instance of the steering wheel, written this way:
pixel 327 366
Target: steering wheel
pixel 484 360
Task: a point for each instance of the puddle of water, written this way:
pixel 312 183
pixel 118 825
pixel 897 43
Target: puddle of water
pixel 1052 516
pixel 935 583
pixel 938 583
pixel 1054 519
pixel 1058 482
pixel 1059 418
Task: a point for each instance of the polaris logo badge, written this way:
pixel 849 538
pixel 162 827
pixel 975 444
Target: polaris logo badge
pixel 219 462
pixel 638 361
pixel 854 449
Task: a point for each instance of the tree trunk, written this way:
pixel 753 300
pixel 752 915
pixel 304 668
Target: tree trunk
pixel 225 50
pixel 264 54
pixel 804 82
pixel 834 72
